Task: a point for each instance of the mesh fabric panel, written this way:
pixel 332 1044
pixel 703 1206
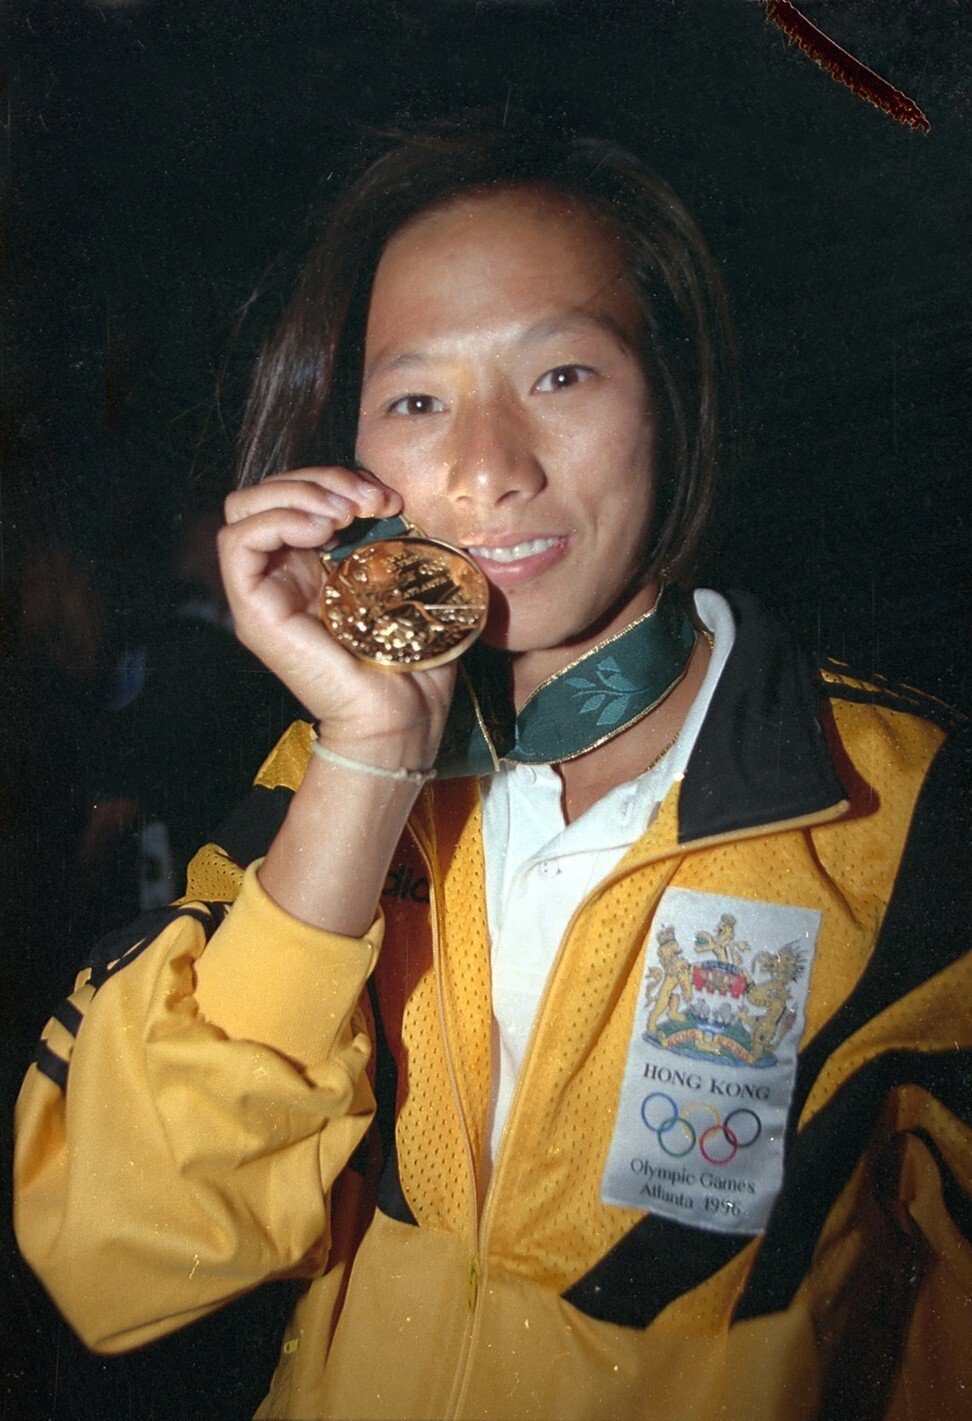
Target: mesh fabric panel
pixel 212 877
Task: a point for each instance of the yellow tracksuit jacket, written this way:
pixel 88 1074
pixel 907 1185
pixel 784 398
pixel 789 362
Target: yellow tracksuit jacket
pixel 200 1115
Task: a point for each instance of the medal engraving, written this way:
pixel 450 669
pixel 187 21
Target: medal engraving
pixel 405 603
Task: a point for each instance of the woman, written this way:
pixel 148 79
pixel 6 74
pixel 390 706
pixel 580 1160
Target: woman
pixel 661 1057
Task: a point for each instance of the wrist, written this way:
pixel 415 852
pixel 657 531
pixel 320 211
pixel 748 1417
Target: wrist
pixel 400 775
pixel 328 863
pixel 411 750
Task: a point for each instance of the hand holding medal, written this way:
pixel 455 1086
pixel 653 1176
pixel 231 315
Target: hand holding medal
pixel 271 554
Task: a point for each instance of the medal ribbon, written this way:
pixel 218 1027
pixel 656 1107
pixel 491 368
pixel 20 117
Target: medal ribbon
pixel 590 701
pixel 598 696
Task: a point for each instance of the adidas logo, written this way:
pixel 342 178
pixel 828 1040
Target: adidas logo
pixel 403 884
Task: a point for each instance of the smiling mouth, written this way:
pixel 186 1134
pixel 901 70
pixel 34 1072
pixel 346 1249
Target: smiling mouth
pixel 516 552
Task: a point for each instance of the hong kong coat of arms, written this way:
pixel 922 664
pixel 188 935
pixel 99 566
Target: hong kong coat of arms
pixel 731 1002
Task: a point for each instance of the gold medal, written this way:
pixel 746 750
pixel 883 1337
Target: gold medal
pixel 407 604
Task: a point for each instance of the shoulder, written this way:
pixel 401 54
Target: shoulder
pixel 892 725
pixel 903 757
pixel 839 682
pixel 893 733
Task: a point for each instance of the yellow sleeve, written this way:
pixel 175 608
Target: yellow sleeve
pixel 192 1104
pixel 935 1376
pixel 894 1261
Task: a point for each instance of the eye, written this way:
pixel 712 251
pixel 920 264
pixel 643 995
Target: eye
pixel 562 377
pixel 416 405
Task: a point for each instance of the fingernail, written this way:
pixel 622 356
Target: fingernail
pixel 371 493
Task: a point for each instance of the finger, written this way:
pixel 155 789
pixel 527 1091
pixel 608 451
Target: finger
pixel 311 497
pixel 357 481
pixel 377 492
pixel 356 484
pixel 357 490
pixel 246 547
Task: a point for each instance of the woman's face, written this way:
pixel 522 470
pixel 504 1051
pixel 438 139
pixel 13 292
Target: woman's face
pixel 505 400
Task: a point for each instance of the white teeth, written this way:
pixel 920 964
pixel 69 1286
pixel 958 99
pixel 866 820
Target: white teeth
pixel 518 551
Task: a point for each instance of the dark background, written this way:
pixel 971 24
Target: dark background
pixel 160 157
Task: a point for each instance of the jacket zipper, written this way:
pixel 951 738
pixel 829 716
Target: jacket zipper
pixel 489 1204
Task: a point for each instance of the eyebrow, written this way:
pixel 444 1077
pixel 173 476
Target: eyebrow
pixel 561 324
pixel 408 360
pixel 569 321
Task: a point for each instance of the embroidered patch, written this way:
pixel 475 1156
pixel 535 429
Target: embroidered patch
pixel 711 1064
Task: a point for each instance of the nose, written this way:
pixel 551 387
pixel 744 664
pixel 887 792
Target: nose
pixel 493 460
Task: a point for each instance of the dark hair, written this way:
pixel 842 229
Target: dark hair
pixel 303 403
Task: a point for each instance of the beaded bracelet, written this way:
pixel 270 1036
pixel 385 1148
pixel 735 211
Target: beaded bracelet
pixel 412 777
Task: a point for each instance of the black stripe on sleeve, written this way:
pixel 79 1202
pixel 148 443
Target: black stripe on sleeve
pixel 113 953
pixel 51 1066
pixel 69 1017
pixel 877 692
pixel 121 947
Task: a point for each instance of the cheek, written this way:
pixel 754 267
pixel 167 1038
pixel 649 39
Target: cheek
pixel 616 434
pixel 602 462
pixel 624 511
pixel 635 452
pixel 621 475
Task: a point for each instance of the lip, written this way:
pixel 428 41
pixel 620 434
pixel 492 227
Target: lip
pixel 507 575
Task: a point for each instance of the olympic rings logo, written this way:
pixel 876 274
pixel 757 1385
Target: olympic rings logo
pixel 719 1141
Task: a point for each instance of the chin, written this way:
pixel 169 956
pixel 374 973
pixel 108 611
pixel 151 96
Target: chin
pixel 520 640
pixel 517 624
pixel 502 639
